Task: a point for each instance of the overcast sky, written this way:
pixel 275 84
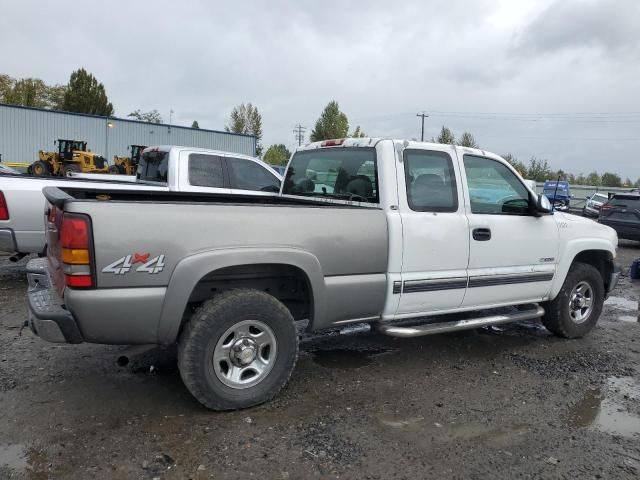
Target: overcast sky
pixel 519 75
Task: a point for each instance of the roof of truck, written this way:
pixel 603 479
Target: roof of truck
pixel 373 141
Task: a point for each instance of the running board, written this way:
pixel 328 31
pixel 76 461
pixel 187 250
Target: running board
pixel 453 326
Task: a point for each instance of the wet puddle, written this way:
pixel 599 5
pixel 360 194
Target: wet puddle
pixel 14 457
pixel 345 358
pixel 606 410
pixel 620 303
pixel 498 436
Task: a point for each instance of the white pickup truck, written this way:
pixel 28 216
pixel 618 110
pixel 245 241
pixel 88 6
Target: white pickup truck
pixel 364 230
pixel 164 168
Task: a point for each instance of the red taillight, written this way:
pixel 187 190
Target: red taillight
pixel 606 206
pixel 75 251
pixel 332 143
pixel 4 208
pixel 78 281
pixel 74 232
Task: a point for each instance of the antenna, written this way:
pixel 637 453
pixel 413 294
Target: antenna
pixel 553 203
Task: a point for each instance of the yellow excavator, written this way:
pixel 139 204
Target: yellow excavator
pixel 72 156
pixel 127 165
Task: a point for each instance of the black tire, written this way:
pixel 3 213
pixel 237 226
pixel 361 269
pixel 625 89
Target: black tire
pixel 557 317
pixel 204 330
pixel 72 168
pixel 40 169
pixel 116 170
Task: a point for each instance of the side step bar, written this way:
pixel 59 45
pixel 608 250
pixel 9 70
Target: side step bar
pixel 453 326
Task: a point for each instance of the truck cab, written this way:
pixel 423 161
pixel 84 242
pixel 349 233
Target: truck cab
pixel 558 192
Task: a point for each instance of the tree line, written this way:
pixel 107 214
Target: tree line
pixel 82 94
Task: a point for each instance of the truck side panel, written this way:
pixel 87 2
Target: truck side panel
pixel 342 251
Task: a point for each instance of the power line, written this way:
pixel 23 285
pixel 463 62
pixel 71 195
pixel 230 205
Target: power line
pixel 299 133
pixel 423 115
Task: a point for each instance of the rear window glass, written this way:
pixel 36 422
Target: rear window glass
pixel 153 167
pixel 620 200
pixel 341 173
pixel 205 170
pixel 600 198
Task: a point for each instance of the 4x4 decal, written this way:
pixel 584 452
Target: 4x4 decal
pixel 126 263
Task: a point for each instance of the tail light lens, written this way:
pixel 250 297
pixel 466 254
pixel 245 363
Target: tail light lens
pixel 75 250
pixel 606 206
pixel 4 208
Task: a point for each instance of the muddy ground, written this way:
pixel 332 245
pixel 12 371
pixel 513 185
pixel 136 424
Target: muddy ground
pixel 513 402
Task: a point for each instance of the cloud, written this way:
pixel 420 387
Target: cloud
pixel 381 62
pixel 609 27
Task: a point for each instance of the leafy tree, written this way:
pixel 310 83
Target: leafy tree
pixel 357 133
pixel 611 180
pixel 152 116
pixel 86 95
pixel 246 119
pixel 581 179
pixel 6 83
pixel 538 170
pixel 332 124
pixel 30 92
pixel 55 96
pixel 517 164
pixel 593 179
pixel 445 136
pixel 195 124
pixel 627 182
pixel 637 184
pixel 467 140
pixel 277 155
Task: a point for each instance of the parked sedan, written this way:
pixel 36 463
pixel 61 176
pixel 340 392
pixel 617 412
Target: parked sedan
pixel 593 204
pixel 622 213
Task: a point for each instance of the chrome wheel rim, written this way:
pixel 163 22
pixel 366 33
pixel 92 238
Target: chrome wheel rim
pixel 244 354
pixel 581 302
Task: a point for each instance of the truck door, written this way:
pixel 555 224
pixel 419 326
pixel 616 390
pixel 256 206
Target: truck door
pixel 513 254
pixel 435 231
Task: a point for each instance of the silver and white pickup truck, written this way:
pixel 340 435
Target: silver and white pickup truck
pixel 164 168
pixel 394 233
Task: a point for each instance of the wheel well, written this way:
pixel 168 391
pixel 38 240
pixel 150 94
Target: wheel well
pixel 287 283
pixel 601 260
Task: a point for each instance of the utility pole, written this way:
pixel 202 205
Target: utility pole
pixel 423 115
pixel 299 133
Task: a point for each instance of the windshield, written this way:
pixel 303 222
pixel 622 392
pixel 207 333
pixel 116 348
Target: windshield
pixel 153 166
pixel 343 173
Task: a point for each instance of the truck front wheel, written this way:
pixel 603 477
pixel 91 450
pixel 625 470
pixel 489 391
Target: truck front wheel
pixel 238 349
pixel 576 309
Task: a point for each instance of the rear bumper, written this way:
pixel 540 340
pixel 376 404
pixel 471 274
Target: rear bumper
pixel 48 317
pixel 625 231
pixel 7 241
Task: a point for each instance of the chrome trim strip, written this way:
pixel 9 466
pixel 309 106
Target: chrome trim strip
pixel 495 280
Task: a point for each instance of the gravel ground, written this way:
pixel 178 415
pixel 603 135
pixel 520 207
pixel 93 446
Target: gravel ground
pixel 501 403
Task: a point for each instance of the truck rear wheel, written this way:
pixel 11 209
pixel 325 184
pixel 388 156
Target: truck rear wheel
pixel 577 308
pixel 238 349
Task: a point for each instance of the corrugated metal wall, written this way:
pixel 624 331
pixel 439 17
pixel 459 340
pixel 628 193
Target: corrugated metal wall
pixel 24 131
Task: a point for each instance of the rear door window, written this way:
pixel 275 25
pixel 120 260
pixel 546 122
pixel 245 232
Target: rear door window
pixel 206 170
pixel 431 181
pixel 249 175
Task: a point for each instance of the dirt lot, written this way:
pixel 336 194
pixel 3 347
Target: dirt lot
pixel 507 403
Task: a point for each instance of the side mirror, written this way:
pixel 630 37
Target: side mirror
pixel 543 205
